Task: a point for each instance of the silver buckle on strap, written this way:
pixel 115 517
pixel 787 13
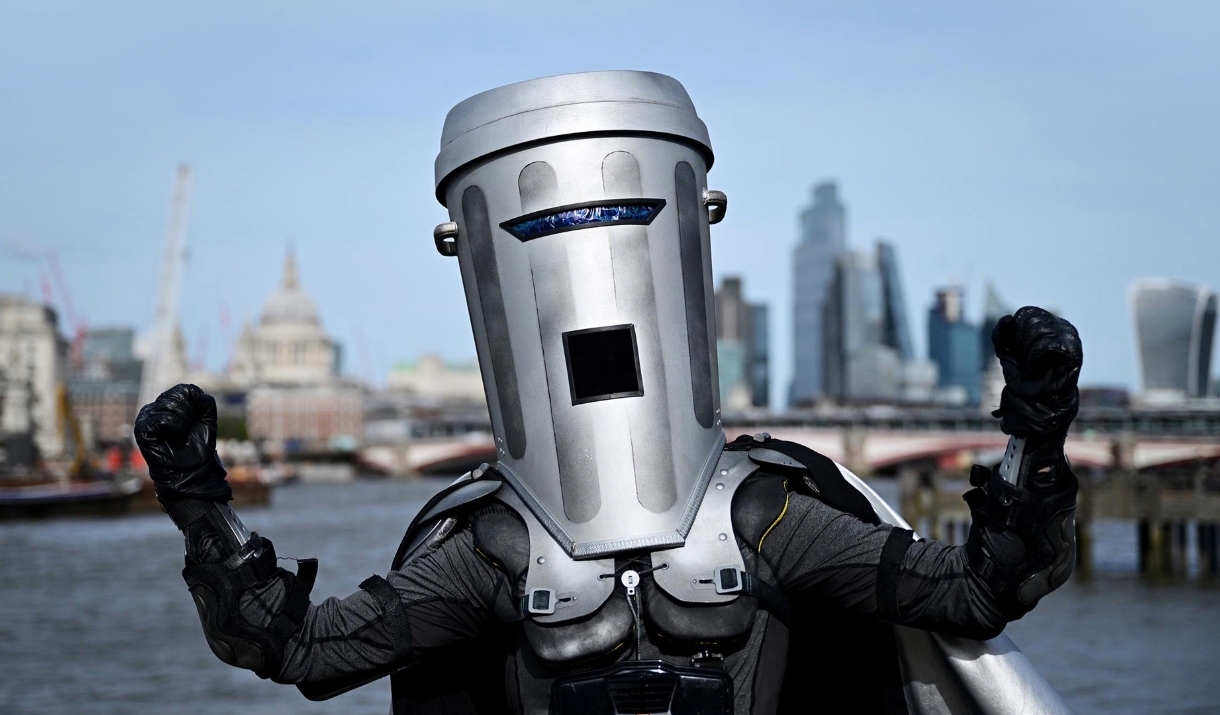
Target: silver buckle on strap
pixel 540 601
pixel 728 579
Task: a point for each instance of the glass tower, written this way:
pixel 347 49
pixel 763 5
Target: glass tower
pixel 823 237
pixel 741 348
pixel 953 344
pixel 1175 325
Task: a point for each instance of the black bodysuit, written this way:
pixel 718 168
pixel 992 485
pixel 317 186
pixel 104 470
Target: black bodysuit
pixel 468 588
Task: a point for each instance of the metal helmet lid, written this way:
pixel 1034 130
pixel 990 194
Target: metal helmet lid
pixel 551 108
pixel 580 219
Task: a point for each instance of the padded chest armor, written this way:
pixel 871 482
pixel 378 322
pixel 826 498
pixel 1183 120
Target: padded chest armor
pixel 583 613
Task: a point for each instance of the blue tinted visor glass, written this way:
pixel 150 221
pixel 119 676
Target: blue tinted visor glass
pixel 569 218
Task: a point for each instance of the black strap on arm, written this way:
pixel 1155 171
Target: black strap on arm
pixel 187 511
pixel 395 616
pixel 298 599
pixel 889 569
pixel 832 487
pixel 770 599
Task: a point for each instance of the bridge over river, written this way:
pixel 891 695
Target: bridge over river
pixel 1159 469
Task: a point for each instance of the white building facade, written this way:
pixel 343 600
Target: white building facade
pixel 33 367
pixel 289 368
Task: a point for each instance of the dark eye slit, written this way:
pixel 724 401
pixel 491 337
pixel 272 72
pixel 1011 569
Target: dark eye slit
pixel 639 212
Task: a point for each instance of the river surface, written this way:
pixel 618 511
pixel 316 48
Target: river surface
pixel 94 617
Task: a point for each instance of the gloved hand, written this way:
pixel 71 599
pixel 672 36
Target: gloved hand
pixel 1041 357
pixel 1022 540
pixel 177 436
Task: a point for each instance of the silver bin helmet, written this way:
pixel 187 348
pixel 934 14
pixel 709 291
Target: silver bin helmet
pixel 580 219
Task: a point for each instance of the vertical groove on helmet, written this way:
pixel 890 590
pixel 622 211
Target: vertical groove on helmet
pixel 690 245
pixel 656 485
pixel 495 321
pixel 553 301
pixel 538 186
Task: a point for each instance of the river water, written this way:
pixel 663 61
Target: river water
pixel 94 617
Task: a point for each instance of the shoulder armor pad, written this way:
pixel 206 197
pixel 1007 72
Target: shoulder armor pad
pixel 826 478
pixel 688 573
pixel 569 615
pixel 758 506
pixel 770 458
pixel 464 493
pixel 466 490
pixel 559 588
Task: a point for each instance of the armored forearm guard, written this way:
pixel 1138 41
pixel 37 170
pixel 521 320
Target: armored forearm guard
pixel 248 606
pixel 1023 538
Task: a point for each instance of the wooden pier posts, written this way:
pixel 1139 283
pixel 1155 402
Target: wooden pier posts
pixel 1159 554
pixel 1084 522
pixel 931 501
pixel 1162 503
pixel 1164 549
pixel 1209 549
pixel 1084 550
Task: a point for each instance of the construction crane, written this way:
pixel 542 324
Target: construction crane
pixel 79 327
pixel 71 433
pixel 158 373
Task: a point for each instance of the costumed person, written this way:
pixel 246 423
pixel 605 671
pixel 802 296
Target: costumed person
pixel 619 556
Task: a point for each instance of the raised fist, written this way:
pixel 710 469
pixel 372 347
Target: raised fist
pixel 1041 357
pixel 177 435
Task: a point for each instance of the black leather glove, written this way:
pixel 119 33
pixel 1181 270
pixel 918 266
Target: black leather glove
pixel 1022 536
pixel 1041 357
pixel 249 607
pixel 177 436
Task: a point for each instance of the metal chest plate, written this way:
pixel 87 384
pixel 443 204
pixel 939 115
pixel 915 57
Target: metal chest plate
pixel 557 587
pixel 691 572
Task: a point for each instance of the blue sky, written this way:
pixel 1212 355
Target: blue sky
pixel 1058 149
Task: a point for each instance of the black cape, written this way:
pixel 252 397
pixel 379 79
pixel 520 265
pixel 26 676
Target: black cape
pixel 853 663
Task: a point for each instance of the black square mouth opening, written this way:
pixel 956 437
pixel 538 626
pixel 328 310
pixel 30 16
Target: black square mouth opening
pixel 603 363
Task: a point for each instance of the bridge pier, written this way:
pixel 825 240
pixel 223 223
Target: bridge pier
pixel 1174 483
pixel 1165 550
pixel 854 439
pixel 1154 538
pixel 1084 524
pixel 1209 549
pixel 1084 550
pixel 1165 559
pixel 1180 549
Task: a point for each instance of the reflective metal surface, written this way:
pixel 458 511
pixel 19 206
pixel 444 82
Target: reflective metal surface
pixel 945 675
pixel 689 574
pixel 607 459
pixel 545 109
pixel 1010 465
pixel 577 588
pixel 238 529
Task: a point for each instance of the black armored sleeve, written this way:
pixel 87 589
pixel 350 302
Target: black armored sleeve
pixel 258 616
pixel 440 597
pixel 818 551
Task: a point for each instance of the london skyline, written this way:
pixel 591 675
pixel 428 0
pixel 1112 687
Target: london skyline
pixel 1025 146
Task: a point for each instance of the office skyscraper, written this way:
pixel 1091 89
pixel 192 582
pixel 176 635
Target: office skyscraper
pixel 896 332
pixel 741 348
pixel 858 363
pixel 823 237
pixel 760 356
pixel 1175 325
pixel 953 344
pixel 994 308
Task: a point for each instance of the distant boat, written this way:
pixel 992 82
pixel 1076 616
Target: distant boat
pixel 68 498
pixel 251 488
